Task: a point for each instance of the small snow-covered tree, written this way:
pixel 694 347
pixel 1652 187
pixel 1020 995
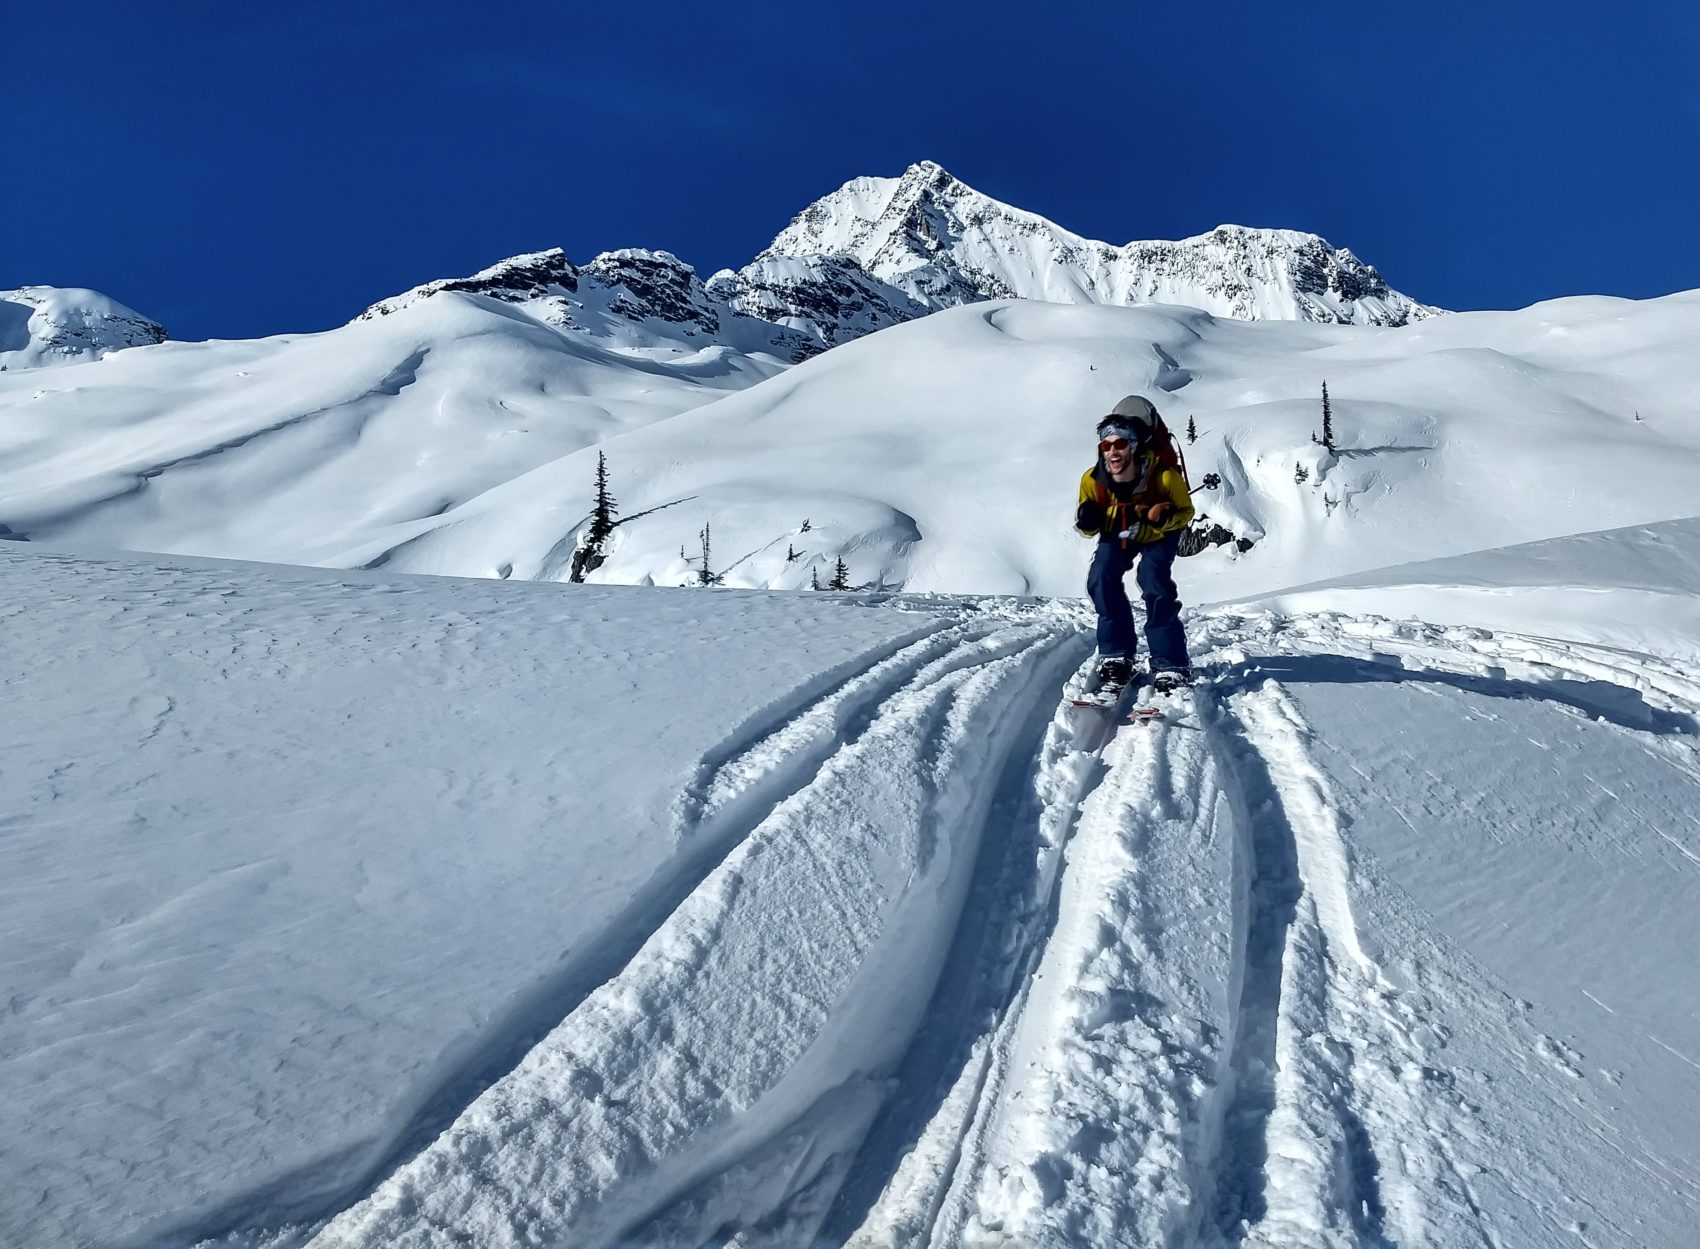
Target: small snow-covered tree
pixel 840 576
pixel 805 525
pixel 1301 474
pixel 790 553
pixel 1327 419
pixel 705 575
pixel 814 578
pixel 1191 430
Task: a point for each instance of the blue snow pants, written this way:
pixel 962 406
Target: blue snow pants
pixel 1116 632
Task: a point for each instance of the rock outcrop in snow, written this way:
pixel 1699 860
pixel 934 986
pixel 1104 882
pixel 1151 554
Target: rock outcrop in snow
pixel 631 298
pixel 42 325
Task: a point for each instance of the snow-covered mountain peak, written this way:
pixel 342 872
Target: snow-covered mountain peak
pixel 876 218
pixel 941 243
pixel 41 325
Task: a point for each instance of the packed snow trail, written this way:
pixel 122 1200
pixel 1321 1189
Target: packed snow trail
pixel 768 1007
pixel 1206 1046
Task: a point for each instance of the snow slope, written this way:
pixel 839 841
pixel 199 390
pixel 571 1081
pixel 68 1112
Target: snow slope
pixel 350 909
pixel 1631 588
pixel 459 434
pixel 327 448
pixel 295 860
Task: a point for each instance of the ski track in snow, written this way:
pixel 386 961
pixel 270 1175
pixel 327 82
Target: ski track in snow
pixel 636 1108
pixel 941 974
pixel 1103 1104
pixel 1320 1141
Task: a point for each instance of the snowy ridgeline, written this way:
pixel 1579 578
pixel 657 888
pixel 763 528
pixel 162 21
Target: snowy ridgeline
pixel 459 435
pixel 51 325
pixel 349 909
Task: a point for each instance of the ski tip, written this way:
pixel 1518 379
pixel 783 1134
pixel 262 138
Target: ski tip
pixel 1092 704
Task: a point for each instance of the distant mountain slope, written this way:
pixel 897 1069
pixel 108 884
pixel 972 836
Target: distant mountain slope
pixel 295 448
pixel 41 325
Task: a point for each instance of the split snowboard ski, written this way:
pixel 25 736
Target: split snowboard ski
pixel 1139 702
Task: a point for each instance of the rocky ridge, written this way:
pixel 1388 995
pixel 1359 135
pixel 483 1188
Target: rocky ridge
pixel 880 251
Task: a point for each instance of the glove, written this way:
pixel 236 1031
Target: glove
pixel 1157 511
pixel 1089 516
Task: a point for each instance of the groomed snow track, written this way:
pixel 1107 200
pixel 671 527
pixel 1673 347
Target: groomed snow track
pixel 954 966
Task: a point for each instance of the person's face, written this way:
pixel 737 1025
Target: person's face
pixel 1117 453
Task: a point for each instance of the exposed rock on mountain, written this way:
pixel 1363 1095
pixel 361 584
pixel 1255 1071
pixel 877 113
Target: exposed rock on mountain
pixel 880 251
pixel 632 298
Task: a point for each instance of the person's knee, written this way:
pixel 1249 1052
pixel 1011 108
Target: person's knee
pixel 1166 612
pixel 1103 577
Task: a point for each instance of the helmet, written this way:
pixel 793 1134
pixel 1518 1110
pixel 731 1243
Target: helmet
pixel 1134 418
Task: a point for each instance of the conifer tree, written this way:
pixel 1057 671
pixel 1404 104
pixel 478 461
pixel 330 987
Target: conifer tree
pixel 1327 420
pixel 814 578
pixel 1301 474
pixel 1191 430
pixel 602 513
pixel 790 553
pixel 840 576
pixel 592 550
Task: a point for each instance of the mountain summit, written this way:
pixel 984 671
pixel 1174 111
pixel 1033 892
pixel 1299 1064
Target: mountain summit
pixel 882 250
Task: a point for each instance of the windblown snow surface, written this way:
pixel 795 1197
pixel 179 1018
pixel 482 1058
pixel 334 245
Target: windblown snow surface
pixel 351 909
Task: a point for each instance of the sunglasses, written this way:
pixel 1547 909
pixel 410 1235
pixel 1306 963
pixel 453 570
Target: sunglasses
pixel 1114 444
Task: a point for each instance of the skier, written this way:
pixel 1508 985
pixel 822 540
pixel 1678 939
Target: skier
pixel 1136 501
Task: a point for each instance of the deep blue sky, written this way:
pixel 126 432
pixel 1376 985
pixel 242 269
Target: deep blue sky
pixel 235 170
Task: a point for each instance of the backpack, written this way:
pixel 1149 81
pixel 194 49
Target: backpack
pixel 1168 451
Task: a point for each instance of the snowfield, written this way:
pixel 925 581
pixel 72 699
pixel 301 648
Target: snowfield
pixel 349 909
pixel 459 436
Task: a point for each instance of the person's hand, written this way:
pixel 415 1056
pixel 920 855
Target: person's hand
pixel 1157 511
pixel 1089 515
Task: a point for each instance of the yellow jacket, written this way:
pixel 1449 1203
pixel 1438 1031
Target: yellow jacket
pixel 1152 484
